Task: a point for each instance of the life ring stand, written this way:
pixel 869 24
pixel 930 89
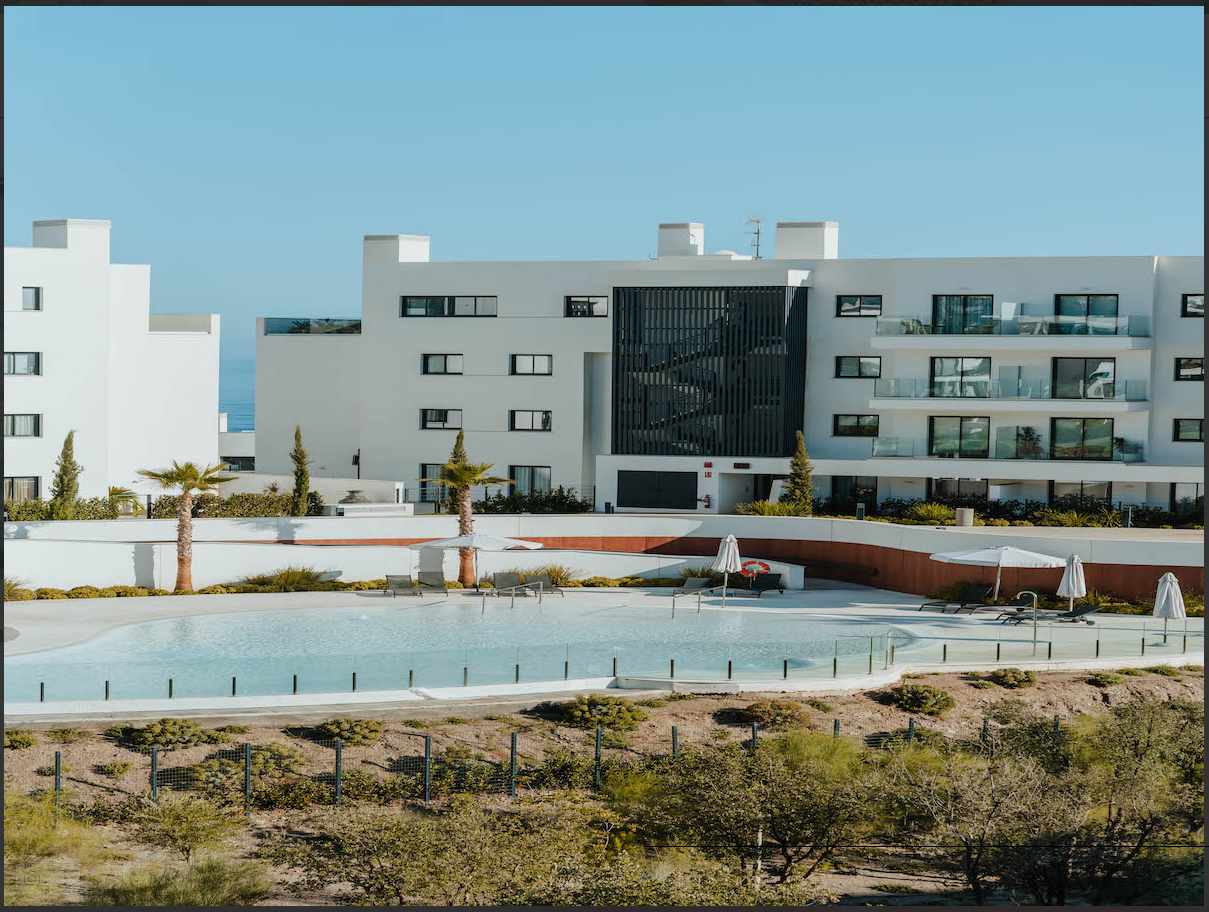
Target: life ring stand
pixel 753 567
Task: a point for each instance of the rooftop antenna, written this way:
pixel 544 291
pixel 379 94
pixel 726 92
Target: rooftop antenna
pixel 755 241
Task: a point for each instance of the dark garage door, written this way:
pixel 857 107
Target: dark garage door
pixel 657 490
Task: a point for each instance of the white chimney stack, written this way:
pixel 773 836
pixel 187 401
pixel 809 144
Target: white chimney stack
pixel 681 239
pixel 807 241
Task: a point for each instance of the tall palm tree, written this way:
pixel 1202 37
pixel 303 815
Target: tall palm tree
pixel 461 477
pixel 188 477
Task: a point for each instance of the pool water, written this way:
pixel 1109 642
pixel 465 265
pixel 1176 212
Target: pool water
pixel 442 645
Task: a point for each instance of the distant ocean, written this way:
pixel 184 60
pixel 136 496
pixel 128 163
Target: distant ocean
pixel 237 392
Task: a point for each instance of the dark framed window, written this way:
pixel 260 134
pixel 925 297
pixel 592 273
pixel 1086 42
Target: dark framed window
pixel 531 364
pixel 22 487
pixel 31 298
pixel 23 363
pixel 959 436
pixel 1084 378
pixel 1080 493
pixel 657 490
pixel 954 488
pixel 856 488
pixel 240 463
pixel 1187 497
pixel 1192 305
pixel 959 378
pixel 440 419
pixel 1080 438
pixel 1186 429
pixel 529 420
pixel 857 366
pixel 854 425
pixel 441 364
pixel 431 491
pixel 22 425
pixel 529 479
pixel 858 305
pixel 448 305
pixel 1190 369
pixel 962 313
pixel 586 306
pixel 1081 314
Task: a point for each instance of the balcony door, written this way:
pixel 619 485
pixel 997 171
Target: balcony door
pixel 962 313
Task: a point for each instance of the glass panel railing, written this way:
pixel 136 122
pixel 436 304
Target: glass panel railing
pixel 893 446
pixel 279 326
pixel 1134 326
pixel 920 388
pixel 1008 446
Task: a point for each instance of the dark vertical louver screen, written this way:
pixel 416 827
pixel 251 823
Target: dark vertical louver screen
pixel 708 371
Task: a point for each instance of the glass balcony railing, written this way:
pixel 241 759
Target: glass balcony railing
pixel 1135 326
pixel 280 326
pixel 901 447
pixel 920 388
pixel 1008 447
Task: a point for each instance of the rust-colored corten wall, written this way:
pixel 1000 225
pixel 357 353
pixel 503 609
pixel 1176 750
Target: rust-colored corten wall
pixel 897 569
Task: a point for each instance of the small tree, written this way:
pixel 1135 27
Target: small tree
pixel 799 488
pixel 65 487
pixel 189 478
pixel 461 477
pixel 186 824
pixel 459 449
pixel 302 476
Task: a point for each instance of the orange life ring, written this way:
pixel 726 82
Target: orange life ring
pixel 752 567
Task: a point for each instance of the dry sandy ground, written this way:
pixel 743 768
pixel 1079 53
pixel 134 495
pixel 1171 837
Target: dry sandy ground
pixel 482 728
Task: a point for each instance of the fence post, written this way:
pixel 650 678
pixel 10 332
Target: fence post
pixel 785 668
pixel 672 671
pixel 427 768
pixel 755 737
pixel 998 646
pixel 835 666
pixel 614 666
pixel 986 729
pixel 1057 724
pixel 42 685
pixel 1049 649
pixel 870 663
pixel 247 779
pixel 107 683
pixel 339 771
pixel 944 652
pixel 58 783
pixel 1143 653
pixel 566 670
pixel 411 677
pixel 728 669
pixel 518 672
pixel 354 682
pixel 891 653
pixel 911 731
pixel 232 685
pixel 1097 647
pixel 465 675
pixel 675 743
pixel 835 729
pixel 295 683
pixel 596 775
pixel 169 688
pixel 155 774
pixel 512 768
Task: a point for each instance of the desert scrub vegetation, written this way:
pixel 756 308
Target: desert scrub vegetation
pixel 775 714
pixel 19 739
pixel 590 711
pixel 208 882
pixel 1103 679
pixel 353 732
pixel 66 735
pixel 169 734
pixel 1012 678
pixel 920 698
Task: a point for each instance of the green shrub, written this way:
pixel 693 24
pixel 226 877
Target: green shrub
pixel 920 698
pixel 982 685
pixel 772 508
pixel 359 785
pixel 287 579
pixel 208 882
pixel 455 720
pixel 66 735
pixel 129 591
pixel 589 711
pixel 233 729
pixel 559 500
pixel 170 734
pixel 606 582
pixel 1166 670
pixel 46 593
pixel 922 737
pixel 613 738
pixel 820 705
pixel 11 585
pixel 560 574
pixel 114 769
pixel 1012 678
pixel 776 713
pixel 218 589
pixel 84 592
pixel 1103 679
pixel 353 732
pixel 998 522
pixel 290 793
pixel 49 770
pixel 276 761
pixel 18 739
pixel 895 888
pixel 1072 518
pixel 929 512
pixel 26 510
pixel 1132 672
pixel 236 506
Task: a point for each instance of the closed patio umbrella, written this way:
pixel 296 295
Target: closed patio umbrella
pixel 1168 600
pixel 999 556
pixel 478 541
pixel 728 561
pixel 1073 584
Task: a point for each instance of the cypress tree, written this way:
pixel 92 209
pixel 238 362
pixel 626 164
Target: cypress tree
pixel 302 477
pixel 459 449
pixel 799 488
pixel 65 487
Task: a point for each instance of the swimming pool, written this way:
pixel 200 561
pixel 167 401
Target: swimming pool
pixel 448 644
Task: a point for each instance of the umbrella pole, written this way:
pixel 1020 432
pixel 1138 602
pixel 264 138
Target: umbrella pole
pixel 1164 630
pixel 725 580
pixel 1034 625
pixel 998 574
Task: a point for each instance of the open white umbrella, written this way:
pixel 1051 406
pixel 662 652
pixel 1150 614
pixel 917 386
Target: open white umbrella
pixel 479 542
pixel 1000 556
pixel 1169 601
pixel 1073 584
pixel 728 561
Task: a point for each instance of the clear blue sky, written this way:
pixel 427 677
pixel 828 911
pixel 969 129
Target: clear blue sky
pixel 243 152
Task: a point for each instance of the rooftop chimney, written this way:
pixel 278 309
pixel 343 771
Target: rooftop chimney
pixel 807 241
pixel 395 248
pixel 681 239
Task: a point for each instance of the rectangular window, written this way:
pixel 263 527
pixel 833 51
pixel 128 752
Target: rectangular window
pixel 856 488
pixel 1188 498
pixel 1080 438
pixel 529 479
pixel 431 491
pixel 1084 378
pixel 441 364
pixel 22 487
pixel 448 305
pixel 854 425
pixel 581 306
pixel 1192 305
pixel 957 378
pixel 431 419
pixel 962 313
pixel 22 425
pixel 851 366
pixel 957 436
pixel 532 364
pixel 31 298
pixel 1080 494
pixel 529 420
pixel 22 362
pixel 1081 314
pixel 1190 369
pixel 1186 429
pixel 954 488
pixel 858 305
pixel 240 463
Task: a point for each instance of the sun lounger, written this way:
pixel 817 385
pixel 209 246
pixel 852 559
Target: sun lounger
pixel 400 585
pixel 691 584
pixel 431 581
pixel 511 583
pixel 1079 614
pixel 974 596
pixel 542 579
pixel 1016 609
pixel 766 582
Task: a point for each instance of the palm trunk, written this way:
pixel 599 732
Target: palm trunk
pixel 465 527
pixel 184 544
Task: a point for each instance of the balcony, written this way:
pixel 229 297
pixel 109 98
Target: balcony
pixel 1009 446
pixel 1017 394
pixel 281 326
pixel 1134 326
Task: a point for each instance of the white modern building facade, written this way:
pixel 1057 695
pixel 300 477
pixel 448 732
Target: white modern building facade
pixel 83 352
pixel 678 382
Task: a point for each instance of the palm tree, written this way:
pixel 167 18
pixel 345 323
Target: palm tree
pixel 122 497
pixel 189 478
pixel 461 477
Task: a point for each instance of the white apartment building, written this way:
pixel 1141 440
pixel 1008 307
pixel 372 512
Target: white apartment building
pixel 677 382
pixel 83 352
